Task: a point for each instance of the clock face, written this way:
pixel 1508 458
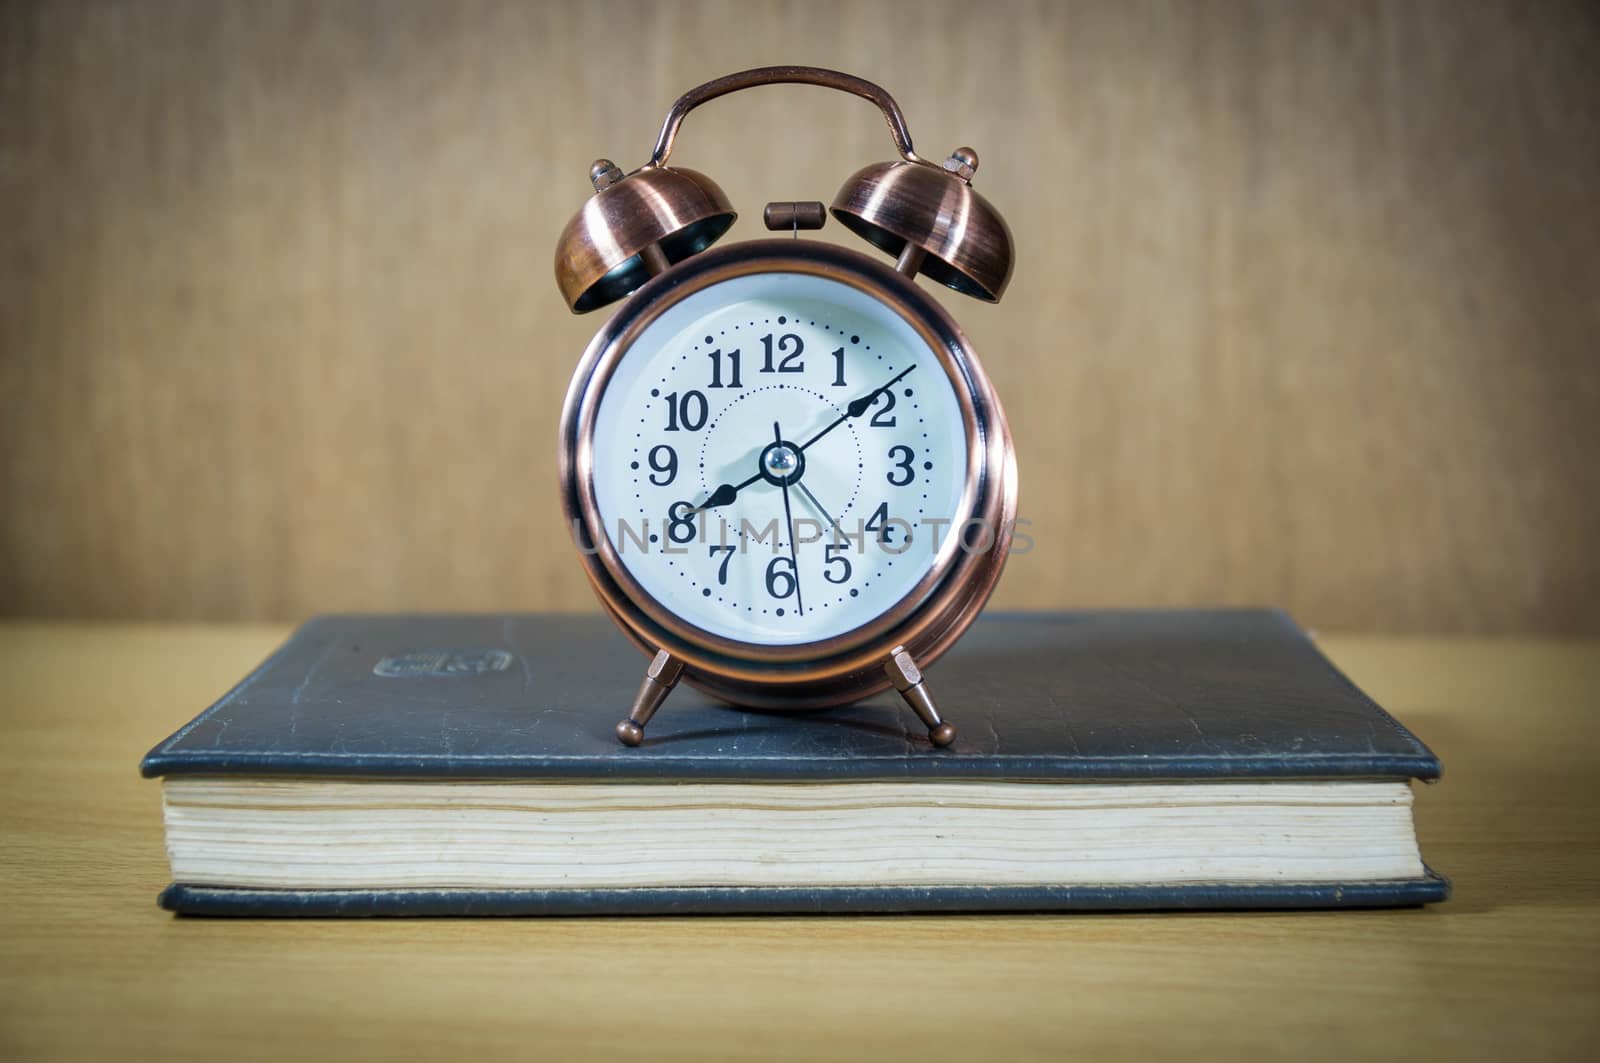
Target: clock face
pixel 780 458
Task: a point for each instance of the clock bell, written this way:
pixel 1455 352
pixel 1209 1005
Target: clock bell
pixel 926 215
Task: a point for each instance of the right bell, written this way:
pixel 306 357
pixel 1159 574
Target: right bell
pixel 930 218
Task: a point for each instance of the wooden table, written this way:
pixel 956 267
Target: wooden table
pixel 90 968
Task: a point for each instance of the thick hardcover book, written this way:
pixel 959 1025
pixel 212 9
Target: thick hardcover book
pixel 427 765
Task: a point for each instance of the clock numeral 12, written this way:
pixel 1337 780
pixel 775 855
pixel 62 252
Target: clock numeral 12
pixel 789 363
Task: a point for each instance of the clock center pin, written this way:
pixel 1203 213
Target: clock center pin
pixel 782 463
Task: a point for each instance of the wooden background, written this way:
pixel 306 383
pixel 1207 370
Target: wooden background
pixel 1306 310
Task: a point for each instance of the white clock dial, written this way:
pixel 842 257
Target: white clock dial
pixel 778 459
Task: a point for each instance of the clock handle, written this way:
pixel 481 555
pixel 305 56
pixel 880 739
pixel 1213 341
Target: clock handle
pixel 786 75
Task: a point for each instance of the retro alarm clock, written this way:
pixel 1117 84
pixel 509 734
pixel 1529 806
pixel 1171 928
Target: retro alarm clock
pixel 790 481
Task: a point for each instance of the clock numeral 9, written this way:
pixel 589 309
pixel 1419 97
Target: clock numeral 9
pixel 789 363
pixel 692 409
pixel 902 465
pixel 781 582
pixel 833 552
pixel 664 460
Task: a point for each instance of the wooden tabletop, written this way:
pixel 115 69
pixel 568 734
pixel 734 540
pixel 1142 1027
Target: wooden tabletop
pixel 89 967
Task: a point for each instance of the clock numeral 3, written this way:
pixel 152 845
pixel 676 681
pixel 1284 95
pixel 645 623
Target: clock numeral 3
pixel 902 465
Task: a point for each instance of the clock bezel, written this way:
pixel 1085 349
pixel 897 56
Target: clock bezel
pixel 843 667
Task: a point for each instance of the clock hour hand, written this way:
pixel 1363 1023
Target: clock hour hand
pixel 860 405
pixel 723 495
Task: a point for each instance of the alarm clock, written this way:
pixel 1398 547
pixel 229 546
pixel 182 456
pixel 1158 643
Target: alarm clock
pixel 788 478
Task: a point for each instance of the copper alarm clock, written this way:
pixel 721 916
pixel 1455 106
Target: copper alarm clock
pixel 788 477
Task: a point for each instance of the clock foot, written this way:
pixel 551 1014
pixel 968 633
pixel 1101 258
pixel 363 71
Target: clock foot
pixel 907 677
pixel 659 679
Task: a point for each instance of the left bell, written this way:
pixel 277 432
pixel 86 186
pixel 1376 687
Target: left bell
pixel 635 226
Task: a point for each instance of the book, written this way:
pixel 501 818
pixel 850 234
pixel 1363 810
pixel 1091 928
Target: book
pixel 432 765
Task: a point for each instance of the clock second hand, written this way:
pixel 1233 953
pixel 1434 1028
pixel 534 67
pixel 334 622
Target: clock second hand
pixel 813 499
pixel 788 523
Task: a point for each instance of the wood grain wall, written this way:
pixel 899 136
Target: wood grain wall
pixel 1306 311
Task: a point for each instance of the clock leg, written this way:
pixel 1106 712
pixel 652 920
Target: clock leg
pixel 907 678
pixel 659 679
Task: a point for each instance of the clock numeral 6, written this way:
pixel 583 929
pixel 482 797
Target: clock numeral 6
pixel 691 408
pixel 902 464
pixel 781 582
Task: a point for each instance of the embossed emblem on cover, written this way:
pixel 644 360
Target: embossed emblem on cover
pixel 442 663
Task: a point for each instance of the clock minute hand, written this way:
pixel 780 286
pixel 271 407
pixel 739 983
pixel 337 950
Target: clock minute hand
pixel 859 406
pixel 788 521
